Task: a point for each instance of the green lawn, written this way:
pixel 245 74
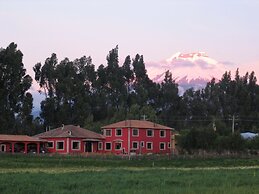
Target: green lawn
pixel 62 174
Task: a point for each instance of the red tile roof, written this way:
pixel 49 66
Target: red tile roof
pixel 18 138
pixel 137 124
pixel 70 131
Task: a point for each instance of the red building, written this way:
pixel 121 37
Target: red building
pixel 136 136
pixel 70 139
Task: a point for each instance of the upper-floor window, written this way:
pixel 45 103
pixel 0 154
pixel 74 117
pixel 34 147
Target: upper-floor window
pixel 162 133
pixel 135 132
pixel 118 132
pixel 108 132
pixel 150 133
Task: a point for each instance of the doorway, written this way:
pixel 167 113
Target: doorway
pixel 2 148
pixel 88 146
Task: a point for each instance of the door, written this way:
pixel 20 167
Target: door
pixel 88 146
pixel 2 148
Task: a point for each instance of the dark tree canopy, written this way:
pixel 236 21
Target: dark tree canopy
pixel 15 100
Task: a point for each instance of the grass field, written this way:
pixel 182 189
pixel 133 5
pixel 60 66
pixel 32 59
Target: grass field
pixel 63 174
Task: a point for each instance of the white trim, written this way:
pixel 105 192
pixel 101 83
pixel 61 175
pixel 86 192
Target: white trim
pixel 151 145
pixel 60 141
pixel 133 146
pixel 116 132
pixel 79 144
pixel 133 133
pixel 105 132
pixel 152 132
pixel 161 144
pixel 164 133
pixel 118 143
pixel 106 146
pixel 52 144
pixel 100 143
pixel 2 146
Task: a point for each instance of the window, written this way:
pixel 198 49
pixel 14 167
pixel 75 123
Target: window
pixel 108 146
pixel 60 145
pixel 150 133
pixel 100 145
pixel 118 132
pixel 142 144
pixel 135 132
pixel 162 146
pixel 169 145
pixel 162 133
pixel 149 146
pixel 75 145
pixel 50 144
pixel 134 145
pixel 108 132
pixel 118 146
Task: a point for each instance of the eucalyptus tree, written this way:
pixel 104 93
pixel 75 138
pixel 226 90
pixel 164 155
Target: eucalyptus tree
pixel 15 100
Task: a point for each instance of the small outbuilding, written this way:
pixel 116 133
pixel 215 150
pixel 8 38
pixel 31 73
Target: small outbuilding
pixel 20 144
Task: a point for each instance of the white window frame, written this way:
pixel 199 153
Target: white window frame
pixel 133 144
pixel 152 132
pixel 52 144
pixel 60 142
pixel 106 146
pixel 118 143
pixel 133 133
pixel 116 132
pixel 161 144
pixel 100 145
pixel 79 144
pixel 148 147
pixel 105 133
pixel 2 146
pixel 164 133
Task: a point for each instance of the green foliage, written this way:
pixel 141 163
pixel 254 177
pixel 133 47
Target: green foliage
pixel 15 101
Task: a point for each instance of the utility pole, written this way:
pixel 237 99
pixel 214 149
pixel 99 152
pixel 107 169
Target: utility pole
pixel 144 117
pixel 233 124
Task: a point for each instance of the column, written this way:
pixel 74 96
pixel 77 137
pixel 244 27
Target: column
pixel 38 147
pixel 12 146
pixel 25 147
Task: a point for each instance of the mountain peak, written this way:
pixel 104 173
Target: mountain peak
pixel 187 56
pixel 188 69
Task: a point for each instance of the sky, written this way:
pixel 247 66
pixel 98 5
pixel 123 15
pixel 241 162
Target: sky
pixel 227 30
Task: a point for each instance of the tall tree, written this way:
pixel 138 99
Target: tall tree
pixel 15 101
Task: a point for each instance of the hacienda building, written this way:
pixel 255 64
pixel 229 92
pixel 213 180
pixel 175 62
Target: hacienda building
pixel 124 137
pixel 137 136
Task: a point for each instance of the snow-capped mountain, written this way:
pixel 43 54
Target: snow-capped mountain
pixel 188 69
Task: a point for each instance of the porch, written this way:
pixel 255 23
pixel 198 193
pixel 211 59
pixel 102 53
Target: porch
pixel 21 144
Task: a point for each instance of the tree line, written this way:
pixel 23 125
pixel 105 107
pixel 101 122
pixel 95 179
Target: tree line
pixel 76 92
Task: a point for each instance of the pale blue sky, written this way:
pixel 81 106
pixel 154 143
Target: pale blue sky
pixel 227 30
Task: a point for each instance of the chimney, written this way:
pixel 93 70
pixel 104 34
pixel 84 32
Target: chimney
pixel 62 128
